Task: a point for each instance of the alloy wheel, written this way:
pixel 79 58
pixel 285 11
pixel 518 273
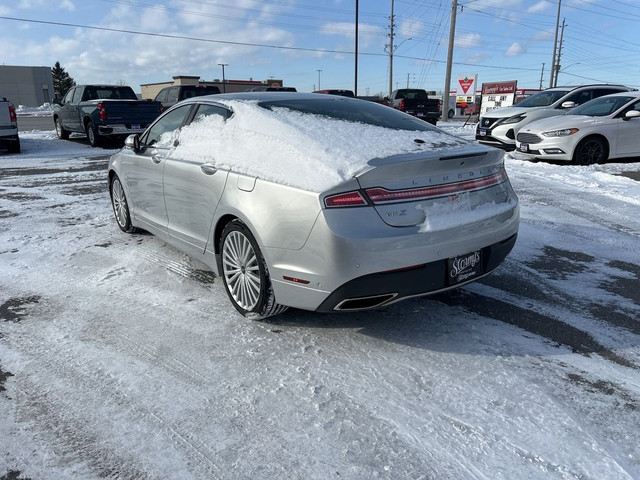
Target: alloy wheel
pixel 241 270
pixel 119 204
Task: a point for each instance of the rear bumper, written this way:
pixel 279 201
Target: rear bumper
pixel 378 289
pixel 121 129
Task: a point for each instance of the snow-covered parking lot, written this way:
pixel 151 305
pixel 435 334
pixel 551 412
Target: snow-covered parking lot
pixel 122 358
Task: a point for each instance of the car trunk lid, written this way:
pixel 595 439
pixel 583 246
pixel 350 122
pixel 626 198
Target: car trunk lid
pixel 405 189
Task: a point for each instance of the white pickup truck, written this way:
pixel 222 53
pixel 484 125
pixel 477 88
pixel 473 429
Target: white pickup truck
pixel 8 127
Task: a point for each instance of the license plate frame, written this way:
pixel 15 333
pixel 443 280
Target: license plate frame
pixel 464 268
pixel 524 147
pixel 482 132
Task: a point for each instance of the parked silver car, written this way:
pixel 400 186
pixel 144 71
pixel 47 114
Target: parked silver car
pixel 604 128
pixel 499 127
pixel 316 202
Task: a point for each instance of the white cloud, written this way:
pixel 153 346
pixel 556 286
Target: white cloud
pixel 539 7
pixel 515 50
pixel 41 4
pixel 470 40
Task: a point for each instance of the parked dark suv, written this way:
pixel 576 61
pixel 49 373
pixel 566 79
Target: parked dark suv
pixel 169 96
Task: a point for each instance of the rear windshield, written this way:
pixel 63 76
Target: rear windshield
pixel 189 92
pixel 113 93
pixel 543 99
pixel 601 107
pixel 360 111
pixel 412 94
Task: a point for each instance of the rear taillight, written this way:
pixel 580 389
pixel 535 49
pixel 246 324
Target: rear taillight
pixel 401 105
pixel 348 199
pixel 12 114
pixel 382 195
pixel 102 111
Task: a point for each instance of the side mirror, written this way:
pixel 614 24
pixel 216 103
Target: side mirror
pixel 133 142
pixel 631 114
pixel 568 105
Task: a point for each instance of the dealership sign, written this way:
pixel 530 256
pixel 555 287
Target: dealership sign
pixel 498 95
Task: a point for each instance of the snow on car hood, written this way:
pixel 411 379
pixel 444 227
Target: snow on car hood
pixel 563 121
pixel 297 149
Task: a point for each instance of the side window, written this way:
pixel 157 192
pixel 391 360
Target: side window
pixel 172 95
pixel 580 97
pixel 77 95
pixel 604 91
pixel 162 96
pixel 205 110
pixel 69 96
pixel 167 123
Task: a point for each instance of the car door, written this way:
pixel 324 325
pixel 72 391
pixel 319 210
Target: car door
pixel 628 133
pixel 68 111
pixel 192 189
pixel 144 169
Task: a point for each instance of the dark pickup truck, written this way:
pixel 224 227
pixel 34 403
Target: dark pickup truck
pixel 103 112
pixel 416 102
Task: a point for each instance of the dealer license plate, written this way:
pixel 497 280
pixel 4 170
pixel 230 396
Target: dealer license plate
pixel 135 126
pixel 464 267
pixel 524 147
pixel 482 132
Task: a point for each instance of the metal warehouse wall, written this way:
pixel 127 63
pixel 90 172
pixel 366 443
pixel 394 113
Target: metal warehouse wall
pixel 28 86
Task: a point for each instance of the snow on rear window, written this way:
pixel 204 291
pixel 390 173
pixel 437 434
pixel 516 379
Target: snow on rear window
pixel 301 150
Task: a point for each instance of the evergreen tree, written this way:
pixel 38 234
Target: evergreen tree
pixel 61 80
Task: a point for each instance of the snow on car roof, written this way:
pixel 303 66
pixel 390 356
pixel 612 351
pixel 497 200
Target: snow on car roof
pixel 302 150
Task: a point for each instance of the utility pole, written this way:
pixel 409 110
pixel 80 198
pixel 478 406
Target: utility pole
pixel 355 86
pixel 555 82
pixel 224 86
pixel 391 52
pixel 555 46
pixel 447 81
pixel 318 78
pixel 541 75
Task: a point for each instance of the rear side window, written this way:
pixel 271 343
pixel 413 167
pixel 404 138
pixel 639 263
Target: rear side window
pixel 580 97
pixel 172 95
pixel 600 92
pixel 205 110
pixel 162 96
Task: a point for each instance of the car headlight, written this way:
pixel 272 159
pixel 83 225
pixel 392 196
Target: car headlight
pixel 565 132
pixel 514 119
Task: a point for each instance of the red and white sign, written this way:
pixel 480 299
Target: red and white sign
pixel 466 89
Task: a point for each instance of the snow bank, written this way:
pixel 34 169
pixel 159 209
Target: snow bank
pixel 296 149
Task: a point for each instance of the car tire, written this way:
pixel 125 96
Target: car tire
pixel 60 130
pixel 591 150
pixel 95 140
pixel 121 206
pixel 14 147
pixel 244 273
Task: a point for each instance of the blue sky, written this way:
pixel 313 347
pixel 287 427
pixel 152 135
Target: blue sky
pixel 499 40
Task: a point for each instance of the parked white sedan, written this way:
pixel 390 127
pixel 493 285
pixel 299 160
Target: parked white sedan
pixel 604 128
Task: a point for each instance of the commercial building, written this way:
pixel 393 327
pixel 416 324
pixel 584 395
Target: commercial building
pixel 150 90
pixel 28 86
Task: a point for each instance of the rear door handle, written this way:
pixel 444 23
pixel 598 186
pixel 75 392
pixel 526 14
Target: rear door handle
pixel 208 169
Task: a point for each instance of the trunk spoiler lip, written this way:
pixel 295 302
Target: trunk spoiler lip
pixel 454 152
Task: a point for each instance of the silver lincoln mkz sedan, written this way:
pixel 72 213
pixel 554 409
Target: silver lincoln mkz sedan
pixel 316 202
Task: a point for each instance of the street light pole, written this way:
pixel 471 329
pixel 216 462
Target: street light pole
pixel 224 87
pixel 318 78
